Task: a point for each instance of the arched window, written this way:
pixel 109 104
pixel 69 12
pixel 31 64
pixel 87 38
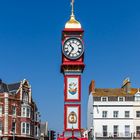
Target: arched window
pixel 25 97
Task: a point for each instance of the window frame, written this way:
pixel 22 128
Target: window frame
pixel 115 133
pixel 1 110
pixel 106 99
pixel 115 114
pixel 125 114
pixel 137 114
pixel 127 131
pixel 14 109
pixel 105 132
pixel 104 114
pixel 1 127
pixel 26 111
pixel 24 126
pixel 119 99
pixel 138 131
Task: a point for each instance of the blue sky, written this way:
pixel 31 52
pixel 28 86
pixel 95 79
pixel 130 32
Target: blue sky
pixel 30 47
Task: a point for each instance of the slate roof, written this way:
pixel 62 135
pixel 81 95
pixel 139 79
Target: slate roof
pixel 11 88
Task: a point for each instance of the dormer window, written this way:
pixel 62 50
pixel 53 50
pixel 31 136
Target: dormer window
pixel 121 99
pixel 137 96
pixel 104 99
pixel 25 97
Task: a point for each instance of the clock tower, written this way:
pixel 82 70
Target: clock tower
pixel 72 68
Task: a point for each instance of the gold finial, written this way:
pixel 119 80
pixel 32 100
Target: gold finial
pixel 72 23
pixel 72 8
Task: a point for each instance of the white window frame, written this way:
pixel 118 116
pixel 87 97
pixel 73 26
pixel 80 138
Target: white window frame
pixel 127 115
pixel 1 110
pixel 115 130
pixel 25 96
pixel 14 109
pixel 1 127
pixel 127 130
pixel 105 126
pixel 104 114
pixel 23 123
pixel 138 113
pixel 24 111
pixel 25 127
pixel 121 99
pixel 115 114
pixel 28 112
pixel 106 99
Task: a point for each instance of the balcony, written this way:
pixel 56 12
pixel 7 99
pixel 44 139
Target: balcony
pixel 116 136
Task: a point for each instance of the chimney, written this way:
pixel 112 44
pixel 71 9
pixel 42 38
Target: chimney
pixel 126 85
pixel 92 87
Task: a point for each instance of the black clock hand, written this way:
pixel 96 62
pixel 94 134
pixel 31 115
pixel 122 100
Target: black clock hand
pixel 71 49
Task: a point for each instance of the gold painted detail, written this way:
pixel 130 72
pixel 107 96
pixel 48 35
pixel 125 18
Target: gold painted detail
pixel 72 118
pixel 72 23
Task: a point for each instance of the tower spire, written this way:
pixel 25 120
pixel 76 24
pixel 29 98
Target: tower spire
pixel 72 23
pixel 72 8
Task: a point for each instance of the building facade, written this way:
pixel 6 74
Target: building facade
pixel 114 113
pixel 19 117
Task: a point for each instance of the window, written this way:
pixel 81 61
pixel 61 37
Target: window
pixel 137 113
pixel 104 99
pixel 138 131
pixel 25 96
pixel 14 127
pixel 26 111
pixel 104 114
pixel 0 110
pixel 104 130
pixel 36 131
pixel 115 130
pixel 0 127
pixel 115 114
pixel 25 128
pixel 23 125
pixel 127 114
pixel 13 110
pixel 127 130
pixel 137 98
pixel 23 112
pixel 121 99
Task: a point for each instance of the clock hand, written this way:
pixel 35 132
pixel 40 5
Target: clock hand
pixel 71 49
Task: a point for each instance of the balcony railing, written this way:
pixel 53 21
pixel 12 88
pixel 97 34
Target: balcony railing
pixel 117 135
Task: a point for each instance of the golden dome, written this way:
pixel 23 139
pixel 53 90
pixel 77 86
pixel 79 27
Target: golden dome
pixel 72 23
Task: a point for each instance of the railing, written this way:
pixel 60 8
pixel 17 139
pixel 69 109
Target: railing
pixel 115 135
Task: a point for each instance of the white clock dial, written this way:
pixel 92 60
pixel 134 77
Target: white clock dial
pixel 73 48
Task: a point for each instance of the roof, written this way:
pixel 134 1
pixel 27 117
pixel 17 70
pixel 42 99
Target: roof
pixel 11 88
pixel 113 92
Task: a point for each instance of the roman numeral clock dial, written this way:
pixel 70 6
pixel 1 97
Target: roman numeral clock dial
pixel 73 48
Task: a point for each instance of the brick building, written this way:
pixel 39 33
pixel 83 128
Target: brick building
pixel 19 116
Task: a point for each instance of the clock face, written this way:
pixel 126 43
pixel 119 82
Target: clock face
pixel 73 48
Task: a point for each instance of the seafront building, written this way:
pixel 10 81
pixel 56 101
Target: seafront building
pixel 114 113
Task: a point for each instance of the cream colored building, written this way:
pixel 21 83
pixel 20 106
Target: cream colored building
pixel 114 113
